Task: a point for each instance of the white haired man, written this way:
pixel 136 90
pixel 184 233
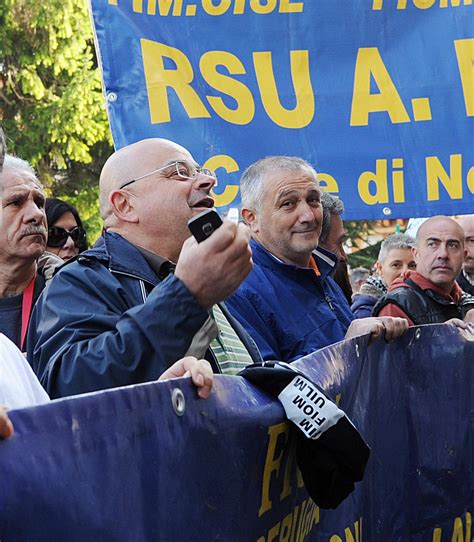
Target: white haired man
pixel 289 303
pixel 23 234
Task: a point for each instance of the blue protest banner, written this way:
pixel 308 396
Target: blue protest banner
pixel 126 464
pixel 377 94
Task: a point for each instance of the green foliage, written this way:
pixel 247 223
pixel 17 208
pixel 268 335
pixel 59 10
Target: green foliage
pixel 51 102
pixel 359 230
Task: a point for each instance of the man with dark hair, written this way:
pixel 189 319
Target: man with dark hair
pixel 289 303
pixel 147 294
pixel 332 237
pixel 333 233
pixel 431 294
pixel 466 277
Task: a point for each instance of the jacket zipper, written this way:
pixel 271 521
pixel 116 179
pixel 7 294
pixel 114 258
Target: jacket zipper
pixel 329 302
pixel 144 296
pixel 142 282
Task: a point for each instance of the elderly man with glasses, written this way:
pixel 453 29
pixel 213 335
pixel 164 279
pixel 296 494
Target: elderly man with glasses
pixel 147 294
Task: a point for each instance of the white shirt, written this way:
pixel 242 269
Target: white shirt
pixel 19 386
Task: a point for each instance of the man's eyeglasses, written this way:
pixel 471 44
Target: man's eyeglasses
pixel 180 170
pixel 57 237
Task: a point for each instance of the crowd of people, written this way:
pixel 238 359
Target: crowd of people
pixel 148 301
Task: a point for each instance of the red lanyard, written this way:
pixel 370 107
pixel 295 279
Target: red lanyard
pixel 26 306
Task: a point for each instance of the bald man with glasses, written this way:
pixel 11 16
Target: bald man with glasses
pixel 147 294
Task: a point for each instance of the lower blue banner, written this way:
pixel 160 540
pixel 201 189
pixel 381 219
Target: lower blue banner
pixel 154 462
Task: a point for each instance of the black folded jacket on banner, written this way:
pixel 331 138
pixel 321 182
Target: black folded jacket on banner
pixel 330 452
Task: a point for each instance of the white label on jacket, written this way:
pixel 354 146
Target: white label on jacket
pixel 308 408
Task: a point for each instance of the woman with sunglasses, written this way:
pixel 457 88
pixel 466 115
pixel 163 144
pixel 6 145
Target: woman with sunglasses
pixel 66 235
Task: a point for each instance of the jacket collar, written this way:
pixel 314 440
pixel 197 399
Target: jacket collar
pixel 325 260
pixel 121 256
pixel 425 284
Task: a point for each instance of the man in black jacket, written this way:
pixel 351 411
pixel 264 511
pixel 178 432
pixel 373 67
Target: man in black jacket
pixel 431 294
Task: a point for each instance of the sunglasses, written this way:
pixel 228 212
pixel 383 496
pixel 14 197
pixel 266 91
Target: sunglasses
pixel 57 237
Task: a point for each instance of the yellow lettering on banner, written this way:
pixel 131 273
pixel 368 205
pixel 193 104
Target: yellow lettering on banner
pixel 369 63
pixel 289 466
pixel 137 6
pixel 458 535
pixel 424 4
pixel 452 182
pixel 328 183
pixel 158 79
pixel 287 6
pixel 470 180
pixel 211 9
pixel 398 181
pixel 454 3
pixel 378 180
pixel 273 533
pixel 299 538
pixel 231 190
pixel 245 110
pixel 458 529
pixel 285 531
pixel 263 7
pixel 357 530
pixel 468 517
pixel 303 113
pixel 348 535
pixel 272 463
pixel 239 7
pixel 421 108
pixel 465 56
pixel 295 520
pixel 164 7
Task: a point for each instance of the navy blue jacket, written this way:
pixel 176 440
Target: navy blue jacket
pixel 288 310
pixel 363 304
pixel 106 320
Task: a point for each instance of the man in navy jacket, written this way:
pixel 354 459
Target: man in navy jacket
pixel 289 303
pixel 125 311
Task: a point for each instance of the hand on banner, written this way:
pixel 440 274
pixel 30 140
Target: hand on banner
pixel 466 326
pixel 6 426
pixel 199 370
pixel 213 270
pixel 469 318
pixel 392 327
